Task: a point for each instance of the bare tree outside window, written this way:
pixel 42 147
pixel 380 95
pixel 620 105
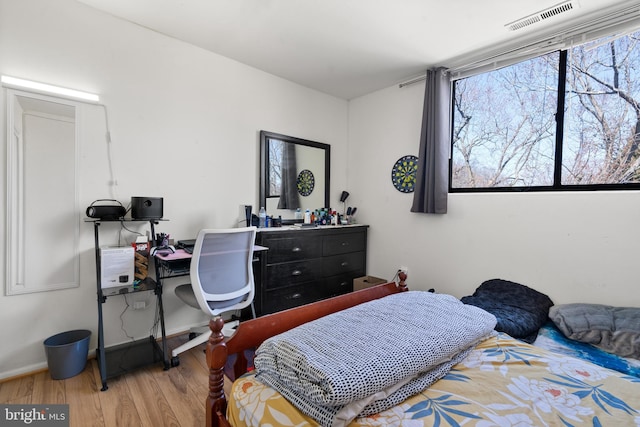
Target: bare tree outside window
pixel 602 118
pixel 504 121
pixel 504 134
pixel 276 149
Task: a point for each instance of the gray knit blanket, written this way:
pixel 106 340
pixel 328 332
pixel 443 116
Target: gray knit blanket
pixel 370 357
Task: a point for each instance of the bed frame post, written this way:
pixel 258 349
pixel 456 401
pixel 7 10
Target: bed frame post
pixel 402 286
pixel 216 402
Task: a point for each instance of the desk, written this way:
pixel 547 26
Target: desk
pixel 172 264
pixel 180 256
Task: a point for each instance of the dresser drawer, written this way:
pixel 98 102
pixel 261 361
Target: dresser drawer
pixel 338 285
pixel 290 273
pixel 293 296
pixel 343 243
pixel 343 263
pixel 284 249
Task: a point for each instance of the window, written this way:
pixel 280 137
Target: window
pixel 565 120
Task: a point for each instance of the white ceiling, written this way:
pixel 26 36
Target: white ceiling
pixel 345 48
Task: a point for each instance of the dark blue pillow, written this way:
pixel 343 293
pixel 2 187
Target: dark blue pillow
pixel 519 310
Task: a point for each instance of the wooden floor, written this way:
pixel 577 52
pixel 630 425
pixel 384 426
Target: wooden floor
pixel 147 397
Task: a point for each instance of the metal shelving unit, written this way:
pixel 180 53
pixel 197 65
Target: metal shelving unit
pixel 120 359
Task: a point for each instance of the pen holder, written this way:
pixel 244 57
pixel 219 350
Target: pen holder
pixel 162 240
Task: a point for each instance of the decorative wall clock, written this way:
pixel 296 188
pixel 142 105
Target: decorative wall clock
pixel 403 174
pixel 305 182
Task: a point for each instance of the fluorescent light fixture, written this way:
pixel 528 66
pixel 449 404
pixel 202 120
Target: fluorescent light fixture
pixel 41 87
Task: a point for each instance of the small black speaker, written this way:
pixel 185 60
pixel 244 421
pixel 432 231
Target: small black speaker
pixel 106 210
pixel 146 208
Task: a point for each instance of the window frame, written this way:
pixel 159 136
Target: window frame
pixel 558 154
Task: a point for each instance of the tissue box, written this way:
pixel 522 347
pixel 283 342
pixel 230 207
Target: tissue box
pixel 366 282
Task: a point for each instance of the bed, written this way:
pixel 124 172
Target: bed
pixel 499 381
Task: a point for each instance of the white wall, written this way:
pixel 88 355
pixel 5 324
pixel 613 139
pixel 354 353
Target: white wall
pixel 184 124
pixel 576 247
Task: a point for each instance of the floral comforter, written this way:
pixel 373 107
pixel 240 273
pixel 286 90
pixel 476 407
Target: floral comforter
pixel 503 382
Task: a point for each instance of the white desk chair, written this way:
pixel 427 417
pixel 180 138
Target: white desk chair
pixel 221 278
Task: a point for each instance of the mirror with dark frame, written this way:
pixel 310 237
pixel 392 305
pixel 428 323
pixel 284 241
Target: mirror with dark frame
pixel 294 173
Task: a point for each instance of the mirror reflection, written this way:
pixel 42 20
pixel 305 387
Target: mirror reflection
pixel 294 174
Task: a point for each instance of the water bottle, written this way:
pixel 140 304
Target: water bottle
pixel 263 217
pixel 298 214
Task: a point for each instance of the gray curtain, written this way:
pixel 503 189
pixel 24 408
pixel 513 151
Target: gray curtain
pixel 289 191
pixel 432 179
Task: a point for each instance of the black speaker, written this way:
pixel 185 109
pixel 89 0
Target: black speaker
pixel 146 208
pixel 106 210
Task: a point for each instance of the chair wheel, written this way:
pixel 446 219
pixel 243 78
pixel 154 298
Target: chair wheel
pixel 175 361
pixel 192 335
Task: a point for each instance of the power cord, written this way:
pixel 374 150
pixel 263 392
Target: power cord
pixel 113 182
pixel 123 226
pixel 126 302
pixel 156 321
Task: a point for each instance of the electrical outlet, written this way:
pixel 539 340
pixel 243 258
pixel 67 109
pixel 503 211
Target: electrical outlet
pixel 139 305
pixel 404 269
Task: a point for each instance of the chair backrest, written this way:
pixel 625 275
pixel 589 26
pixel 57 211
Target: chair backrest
pixel 221 269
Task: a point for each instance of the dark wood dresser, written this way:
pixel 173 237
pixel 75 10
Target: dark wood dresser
pixel 308 264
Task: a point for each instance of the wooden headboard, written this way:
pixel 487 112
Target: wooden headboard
pixel 252 333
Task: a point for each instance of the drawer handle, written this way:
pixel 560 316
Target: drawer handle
pixel 295 249
pixel 296 273
pixel 295 296
pixel 344 264
pixel 344 284
pixel 344 243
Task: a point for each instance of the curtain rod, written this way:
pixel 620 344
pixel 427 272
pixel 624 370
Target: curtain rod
pixel 627 14
pixel 595 24
pixel 412 81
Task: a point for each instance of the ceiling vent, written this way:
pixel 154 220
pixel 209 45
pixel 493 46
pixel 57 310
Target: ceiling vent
pixel 542 15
